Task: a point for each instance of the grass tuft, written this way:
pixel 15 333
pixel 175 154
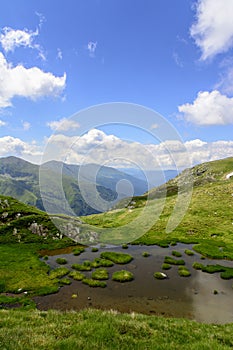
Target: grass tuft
pixel 122 276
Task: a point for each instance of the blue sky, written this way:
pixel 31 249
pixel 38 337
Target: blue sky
pixel 60 57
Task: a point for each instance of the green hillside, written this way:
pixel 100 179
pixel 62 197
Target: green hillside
pixel 24 231
pixel 30 184
pixel 20 179
pixel 208 220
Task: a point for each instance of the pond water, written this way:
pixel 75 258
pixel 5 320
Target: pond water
pixel 189 297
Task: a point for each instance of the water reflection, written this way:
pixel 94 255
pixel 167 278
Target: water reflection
pixel 191 297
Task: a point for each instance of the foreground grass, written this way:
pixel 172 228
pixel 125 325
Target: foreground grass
pixel 92 329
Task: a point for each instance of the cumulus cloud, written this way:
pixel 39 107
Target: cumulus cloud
pixel 63 124
pixel 13 38
pixel 2 123
pixel 10 38
pixel 213 29
pixel 209 108
pixel 97 147
pixel 14 146
pixel 31 83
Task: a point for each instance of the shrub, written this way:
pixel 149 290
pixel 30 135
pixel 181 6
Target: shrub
pixel 61 261
pixel 100 274
pixel 122 276
pixel 117 258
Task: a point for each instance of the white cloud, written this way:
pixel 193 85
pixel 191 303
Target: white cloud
pixel 26 126
pixel 2 123
pixel 97 147
pixel 31 83
pixel 213 30
pixel 226 82
pixel 63 124
pixel 14 146
pixel 177 60
pixel 209 108
pixel 10 38
pixel 91 46
pixel 13 38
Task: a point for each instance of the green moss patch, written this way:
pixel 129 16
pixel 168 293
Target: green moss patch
pixel 117 258
pixel 98 262
pixel 160 275
pixel 145 254
pixel 94 249
pixel 183 271
pixel 122 276
pixel 225 272
pixel 166 266
pixel 61 261
pixel 172 261
pixel 81 267
pixel 189 252
pixel 176 254
pixel 100 274
pixel 59 272
pixel 76 275
pixel 78 251
pixel 94 283
pixel 65 281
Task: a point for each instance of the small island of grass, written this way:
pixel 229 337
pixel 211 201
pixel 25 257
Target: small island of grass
pixel 61 261
pixel 59 272
pixel 160 275
pixel 166 266
pixel 94 283
pixel 122 276
pixel 76 275
pixel 117 258
pixel 100 274
pixel 183 271
pixel 171 261
pixel 176 254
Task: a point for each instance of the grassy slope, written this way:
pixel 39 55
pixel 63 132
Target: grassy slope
pixel 91 329
pixel 208 220
pixel 106 330
pixel 20 267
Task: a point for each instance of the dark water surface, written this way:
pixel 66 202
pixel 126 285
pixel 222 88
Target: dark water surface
pixel 190 297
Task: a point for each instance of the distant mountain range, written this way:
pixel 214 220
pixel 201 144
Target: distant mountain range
pixel 154 178
pixel 20 179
